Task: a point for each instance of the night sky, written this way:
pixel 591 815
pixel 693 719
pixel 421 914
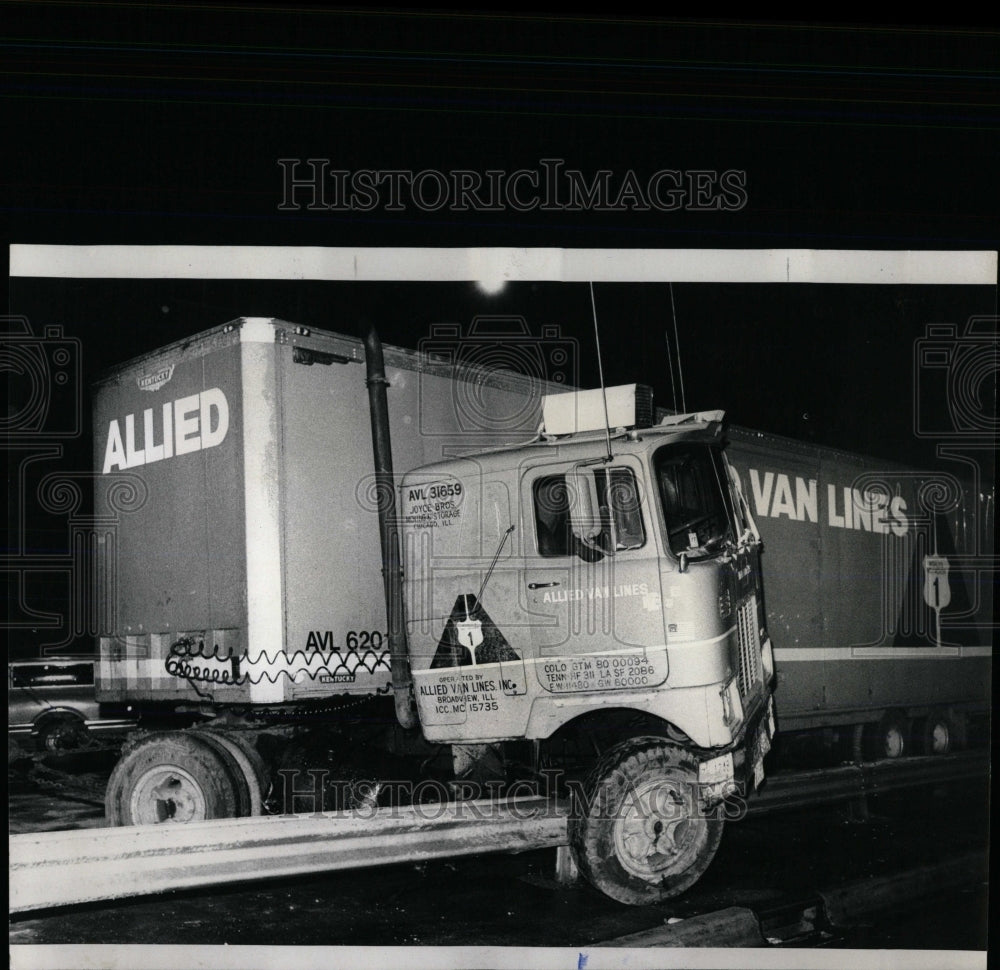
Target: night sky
pixel 146 123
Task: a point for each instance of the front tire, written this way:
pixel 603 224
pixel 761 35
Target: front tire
pixel 640 833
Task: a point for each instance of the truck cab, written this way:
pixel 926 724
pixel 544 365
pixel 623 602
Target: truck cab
pixel 590 571
pixel 604 572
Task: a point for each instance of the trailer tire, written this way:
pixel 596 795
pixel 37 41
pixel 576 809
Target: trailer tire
pixel 232 760
pixel 889 737
pixel 960 730
pixel 936 733
pixel 251 765
pixel 169 777
pixel 639 833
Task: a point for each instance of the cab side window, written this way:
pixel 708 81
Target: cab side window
pixel 621 513
pixel 552 521
pixel 619 508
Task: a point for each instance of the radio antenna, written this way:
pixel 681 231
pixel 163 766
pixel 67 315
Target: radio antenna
pixel 677 345
pixel 670 369
pixel 600 372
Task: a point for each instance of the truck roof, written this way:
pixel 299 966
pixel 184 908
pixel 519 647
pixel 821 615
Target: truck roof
pixel 702 425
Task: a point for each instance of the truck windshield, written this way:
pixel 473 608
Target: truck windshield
pixel 695 507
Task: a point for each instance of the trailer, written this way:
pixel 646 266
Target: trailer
pixel 879 591
pixel 360 572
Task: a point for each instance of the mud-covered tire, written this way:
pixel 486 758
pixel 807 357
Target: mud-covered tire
pixel 233 761
pixel 251 765
pixel 247 743
pixel 639 833
pixel 170 777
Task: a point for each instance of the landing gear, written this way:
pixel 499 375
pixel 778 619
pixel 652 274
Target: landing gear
pixel 640 833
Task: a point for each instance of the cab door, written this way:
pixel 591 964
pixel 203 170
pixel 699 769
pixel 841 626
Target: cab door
pixel 591 577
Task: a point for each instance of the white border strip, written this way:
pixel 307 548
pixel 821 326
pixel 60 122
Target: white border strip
pixel 79 956
pixel 970 267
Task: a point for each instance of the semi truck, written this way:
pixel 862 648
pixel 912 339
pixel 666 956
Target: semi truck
pixel 358 568
pixel 309 530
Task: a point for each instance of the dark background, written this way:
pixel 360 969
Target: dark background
pixel 159 123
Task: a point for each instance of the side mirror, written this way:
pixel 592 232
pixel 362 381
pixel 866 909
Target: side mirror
pixel 584 514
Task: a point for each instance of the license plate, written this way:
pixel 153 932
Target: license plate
pixel 716 770
pixel 763 742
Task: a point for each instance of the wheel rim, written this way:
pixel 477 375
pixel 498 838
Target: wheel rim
pixel 54 740
pixel 940 738
pixel 657 829
pixel 894 742
pixel 61 737
pixel 167 793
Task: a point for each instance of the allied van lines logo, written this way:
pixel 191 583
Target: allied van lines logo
pixel 156 380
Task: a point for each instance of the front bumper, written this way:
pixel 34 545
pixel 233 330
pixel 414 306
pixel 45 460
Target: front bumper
pixel 740 770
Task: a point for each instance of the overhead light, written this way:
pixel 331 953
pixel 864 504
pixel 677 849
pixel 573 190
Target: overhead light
pixel 491 286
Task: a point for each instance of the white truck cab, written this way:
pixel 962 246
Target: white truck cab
pixel 595 570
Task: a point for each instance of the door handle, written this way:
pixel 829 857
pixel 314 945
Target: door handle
pixel 541 585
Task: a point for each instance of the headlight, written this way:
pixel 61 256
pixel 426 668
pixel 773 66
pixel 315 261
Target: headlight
pixel 732 706
pixel 767 660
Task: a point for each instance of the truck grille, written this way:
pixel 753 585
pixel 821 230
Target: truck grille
pixel 748 636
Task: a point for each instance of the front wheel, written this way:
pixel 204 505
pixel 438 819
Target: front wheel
pixel 639 831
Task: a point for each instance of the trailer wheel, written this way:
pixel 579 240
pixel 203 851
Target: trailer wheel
pixel 251 766
pixel 936 733
pixel 248 746
pixel 889 737
pixel 170 777
pixel 855 736
pixel 639 833
pixel 241 782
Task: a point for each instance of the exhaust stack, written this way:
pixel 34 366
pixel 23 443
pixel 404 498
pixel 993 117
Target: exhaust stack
pixel 385 492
